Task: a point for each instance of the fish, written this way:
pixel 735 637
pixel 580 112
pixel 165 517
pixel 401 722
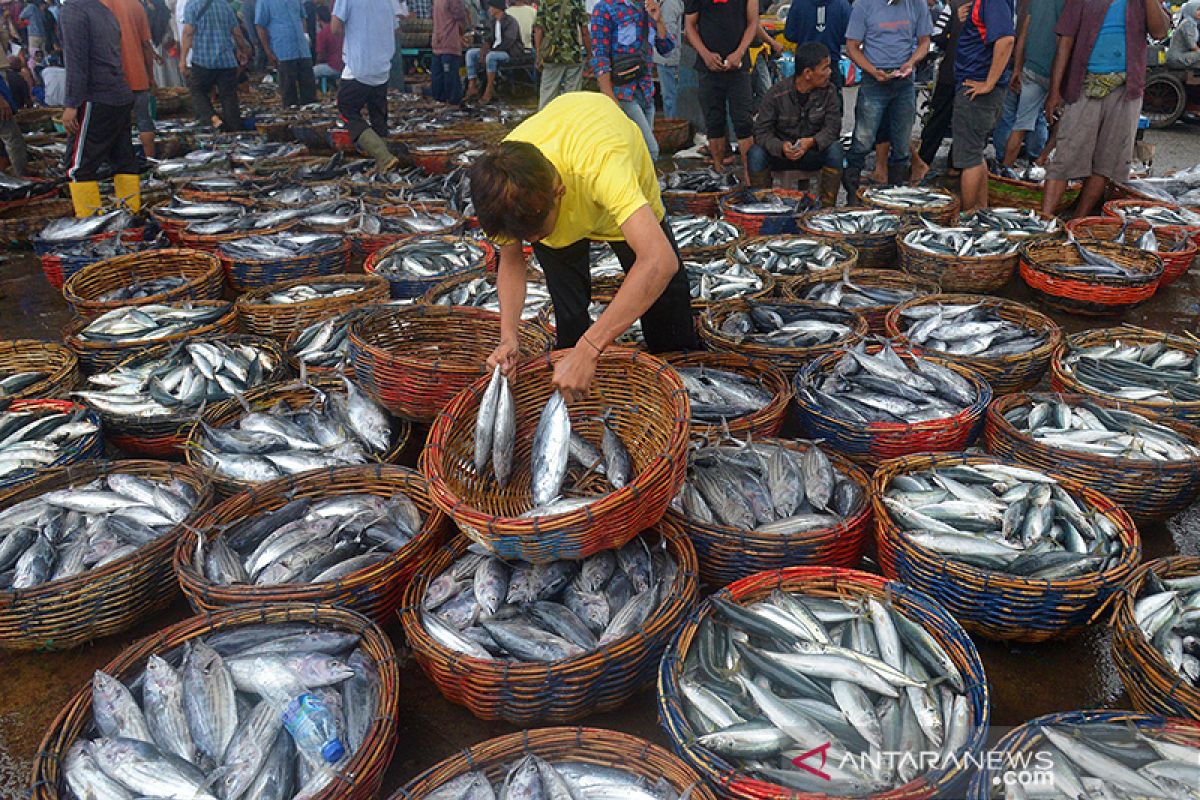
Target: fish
pixel 148 323
pixel 845 293
pixel 795 325
pixel 1165 613
pixel 326 344
pixel 694 231
pixel 481 292
pixel 429 257
pixel 691 181
pixel 962 242
pixel 550 450
pixel 790 255
pixel 907 197
pixel 306 292
pixel 1158 215
pixel 1011 221
pixel 967 329
pixel 279 246
pixel 767 203
pixel 189 211
pixel 1090 428
pixel 248 153
pixel 721 280
pixel 1155 372
pixel 38 438
pixel 533 778
pixel 856 221
pixel 140 289
pixel 70 229
pixel 716 395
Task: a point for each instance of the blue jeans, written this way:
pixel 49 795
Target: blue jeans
pixel 668 81
pixel 891 106
pixel 1035 140
pixel 493 61
pixel 641 110
pixel 445 84
pixel 759 160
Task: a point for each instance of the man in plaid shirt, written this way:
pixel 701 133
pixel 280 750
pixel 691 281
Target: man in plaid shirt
pixel 624 28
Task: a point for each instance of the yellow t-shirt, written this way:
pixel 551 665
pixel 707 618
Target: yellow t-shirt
pixel 602 160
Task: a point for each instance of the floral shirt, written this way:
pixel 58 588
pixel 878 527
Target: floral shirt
pixel 622 27
pixel 561 21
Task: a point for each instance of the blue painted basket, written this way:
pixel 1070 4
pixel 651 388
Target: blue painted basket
pixel 245 274
pixel 86 448
pixel 415 287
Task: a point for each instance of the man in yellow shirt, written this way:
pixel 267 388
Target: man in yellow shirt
pixel 577 171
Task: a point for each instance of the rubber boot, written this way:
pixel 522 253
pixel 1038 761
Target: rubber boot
pixel 128 189
pixel 898 173
pixel 85 196
pixel 370 143
pixel 830 184
pixel 851 180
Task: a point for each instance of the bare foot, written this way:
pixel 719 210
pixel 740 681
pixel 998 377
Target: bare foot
pixel 919 170
pixel 878 177
pixel 486 98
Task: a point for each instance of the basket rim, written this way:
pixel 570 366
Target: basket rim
pixel 951 203
pixel 251 301
pixel 61 361
pixel 1134 333
pixel 1150 275
pixel 206 267
pixel 1028 316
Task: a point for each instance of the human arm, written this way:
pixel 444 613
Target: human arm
pixel 1019 46
pixel 185 47
pixel 664 42
pixel 265 39
pixel 337 19
pixel 1001 51
pixel 692 34
pixel 1158 25
pixel 766 134
pixel 602 35
pixel 734 59
pixel 242 45
pixel 1062 57
pixel 510 288
pixel 855 52
pixel 766 38
pixel 538 34
pixel 77 56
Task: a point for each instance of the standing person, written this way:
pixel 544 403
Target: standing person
pixel 137 61
pixel 625 35
pixel 1099 72
pixel 501 45
pixel 1184 49
pixel 329 48
pixel 561 40
pixel 1030 85
pixel 946 30
pixel 16 157
pixel 369 28
pixel 54 82
pixel 280 25
pixel 451 22
pixel 212 41
pixel 886 39
pixel 667 65
pixel 34 21
pixel 99 104
pixel 821 21
pixel 981 72
pixel 526 16
pixel 721 32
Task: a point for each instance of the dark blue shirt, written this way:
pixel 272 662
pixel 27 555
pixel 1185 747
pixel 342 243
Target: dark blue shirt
pixel 821 21
pixel 988 21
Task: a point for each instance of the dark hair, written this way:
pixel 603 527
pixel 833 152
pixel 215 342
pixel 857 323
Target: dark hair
pixel 810 55
pixel 512 188
pixel 323 13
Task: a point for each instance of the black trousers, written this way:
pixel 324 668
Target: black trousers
pixel 103 136
pixel 721 91
pixel 937 123
pixel 353 97
pixel 201 81
pixel 297 82
pixel 667 325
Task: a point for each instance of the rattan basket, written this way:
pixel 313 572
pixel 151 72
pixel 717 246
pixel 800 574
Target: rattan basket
pixel 766 224
pixel 1015 193
pixel 532 276
pixel 788 359
pixel 706 204
pixel 955 273
pixel 875 250
pixel 247 274
pixel 211 242
pixel 20 225
pixel 847 258
pixel 98 356
pixel 867 278
pixel 1119 208
pixel 1094 295
pixel 202 272
pixel 672 134
pixel 280 320
pixel 87 448
pixel 1176 247
pixel 943 213
pixel 30 355
pixel 758 424
pixel 404 288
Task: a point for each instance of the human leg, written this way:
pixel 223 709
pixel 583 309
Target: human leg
pixel 869 111
pixel 306 81
pixel 472 60
pixel 713 106
pixel 668 82
pixel 14 146
pixel 493 61
pixel 144 121
pixel 740 100
pixel 902 113
pixel 667 325
pixel 636 110
pixel 231 115
pixel 569 281
pixel 937 125
pixel 572 80
pixel 551 83
pixel 974 120
pixel 287 74
pixel 200 84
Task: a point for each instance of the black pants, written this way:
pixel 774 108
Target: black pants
pixel 352 97
pixel 201 81
pixel 719 90
pixel 297 82
pixel 937 123
pixel 103 136
pixel 667 325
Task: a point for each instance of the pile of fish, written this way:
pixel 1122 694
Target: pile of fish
pixel 1182 188
pixel 196 161
pixel 15 382
pixel 789 255
pixel 225 184
pixel 301 195
pixel 488 608
pixel 692 231
pixel 209 723
pixel 245 223
pixel 38 437
pixel 188 211
pixel 150 322
pixel 968 329
pixel 767 203
pixel 1032 173
pixel 69 531
pixel 192 375
pixel 70 229
pixel 326 343
pixel 311 542
pixel 867 388
pixel 283 245
pixel 250 153
pixel 451 146
pixel 329 170
pixel 961 242
pixel 856 221
pixel 848 294
pixel 140 289
pixel 721 280
pixel 717 395
pixel 767 488
pixel 695 181
pixel 788 324
pixel 1101 760
pixel 1109 432
pixel 429 257
pixel 1093 263
pixel 533 777
pixel 1012 221
pixel 307 292
pixel 766 684
pixel 1148 241
pixel 14 188
pixel 1161 216
pixel 1165 610
pixel 1010 519
pixel 496 429
pixel 907 197
pixel 89 250
pixel 1131 371
pixel 334 430
pixel 481 293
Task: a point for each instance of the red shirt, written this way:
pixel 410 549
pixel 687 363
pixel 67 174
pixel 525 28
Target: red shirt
pixel 329 48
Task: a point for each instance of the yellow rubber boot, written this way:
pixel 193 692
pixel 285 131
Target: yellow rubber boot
pixel 85 196
pixel 128 189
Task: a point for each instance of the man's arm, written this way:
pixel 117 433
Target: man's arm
pixel 855 51
pixel 77 56
pixel 1157 23
pixel 765 134
pixel 1019 47
pixel 265 38
pixel 601 43
pixel 735 58
pixel 1062 57
pixel 537 45
pixel 185 47
pixel 1001 51
pixel 337 26
pixel 510 288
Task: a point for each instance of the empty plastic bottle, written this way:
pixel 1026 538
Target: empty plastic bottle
pixel 312 726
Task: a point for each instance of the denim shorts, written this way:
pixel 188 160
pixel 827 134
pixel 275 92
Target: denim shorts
pixel 1033 98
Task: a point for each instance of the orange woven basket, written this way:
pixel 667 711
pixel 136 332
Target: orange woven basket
pixel 1176 247
pixel 1092 295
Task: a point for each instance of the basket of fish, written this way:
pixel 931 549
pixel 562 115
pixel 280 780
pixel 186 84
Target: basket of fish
pixel 42 434
pixel 147 278
pixel 793 256
pixel 414 360
pixel 499 457
pixel 385 225
pixel 1098 753
pixel 349 536
pixel 1147 464
pixel 279 310
pixel 937 205
pixel 1011 221
pixel 871 293
pixel 732 395
pixel 870 231
pixel 254 262
pixel 696 191
pixel 60 263
pixel 275 701
pixel 764 212
pixel 771 503
pixel 69 230
pixel 1174 245
pixel 1090 277
pixel 150 400
pixel 324 346
pixel 830 666
pixel 33 368
pixel 288 428
pixel 20 225
pixel 1156 212
pixel 712 281
pixel 551 642
pixel 961 259
pixel 700 238
pixel 221 188
pixel 415 265
pixel 437 156
pixel 176 215
pixel 1153 637
pixel 98 558
pixel 788 334
pixel 1009 344
pixel 1026 190
pixel 1012 552
pixel 103 342
pixel 477 289
pixel 211 234
pixel 874 403
pixel 288 197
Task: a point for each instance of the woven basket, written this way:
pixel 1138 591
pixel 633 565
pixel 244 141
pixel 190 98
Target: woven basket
pixel 869 443
pixel 170 100
pixel 102 356
pixel 358 779
pixel 1006 374
pixel 59 268
pixel 1013 193
pixel 202 271
pixel 440 161
pixel 22 224
pixel 66 613
pixel 767 420
pixel 973 274
pixel 345 367
pixel 1176 262
pixel 706 204
pixel 532 275
pixel 367 243
pixel 246 274
pixel 1148 490
pixel 604 290
pixel 31 355
pixel 173 227
pixel 831 582
pixel 279 321
pixel 994 604
pixel 869 279
pixel 211 242
pixel 293 394
pixel 783 282
pixel 875 250
pixel 1089 294
pixel 559 691
pixel 404 288
pixel 87 448
pixel 944 214
pixel 650 415
pixel 414 360
pixel 316 136
pixel 766 224
pixel 672 134
pixel 1116 209
pixel 788 359
pixel 1063 380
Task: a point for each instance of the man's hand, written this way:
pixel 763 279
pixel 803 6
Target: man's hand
pixel 806 144
pixel 880 75
pixel 776 47
pixel 6 112
pixel 976 89
pixel 1053 105
pixel 573 374
pixel 506 354
pixel 713 61
pixel 904 71
pixel 734 60
pixel 70 120
pixel 537 60
pixel 1014 83
pixel 654 10
pixel 963 11
pixel 791 152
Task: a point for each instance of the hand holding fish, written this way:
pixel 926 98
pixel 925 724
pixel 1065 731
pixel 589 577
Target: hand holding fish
pixel 573 374
pixel 506 354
